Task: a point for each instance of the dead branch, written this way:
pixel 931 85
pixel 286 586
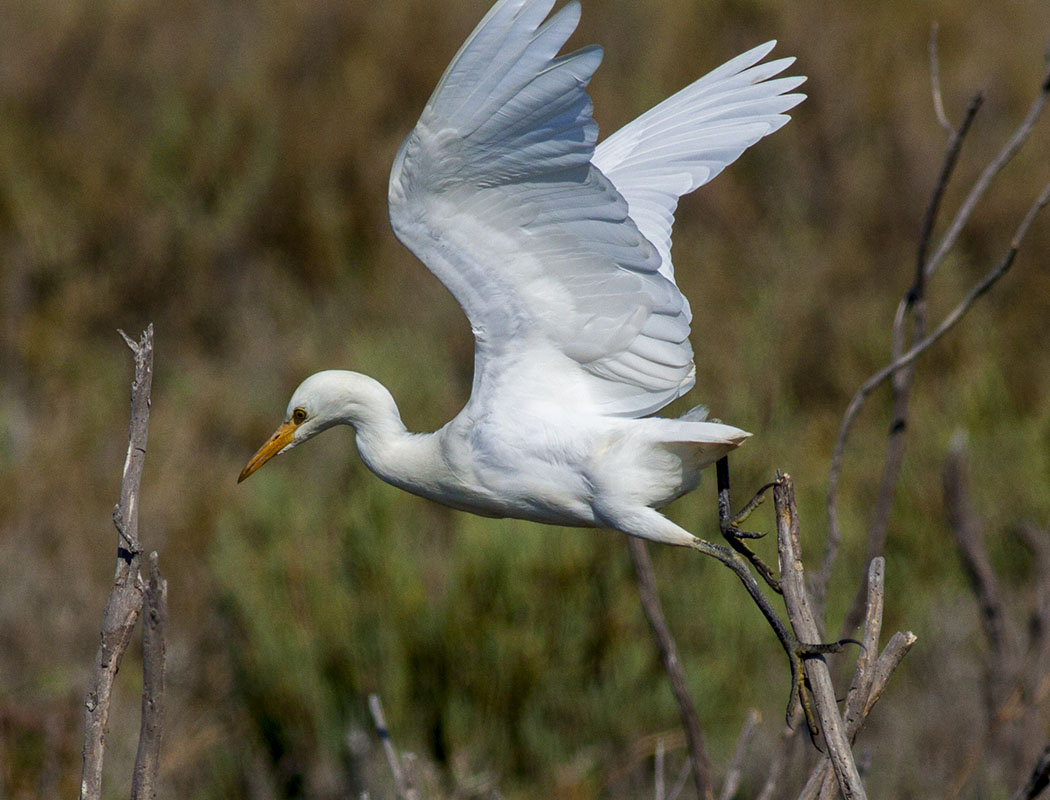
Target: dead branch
pixel 646 577
pixel 679 783
pixel 125 599
pixel 782 754
pixel 892 655
pixel 966 528
pixel 914 300
pixel 995 166
pixel 1035 670
pixel 736 765
pixel 1038 780
pixel 912 308
pixel 817 675
pixel 935 82
pixel 403 788
pixel 869 679
pixel 949 322
pixel 860 686
pixel 147 760
pixel 820 783
pixel 1015 675
pixel 658 771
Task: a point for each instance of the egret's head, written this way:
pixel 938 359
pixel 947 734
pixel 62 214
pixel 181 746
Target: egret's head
pixel 320 402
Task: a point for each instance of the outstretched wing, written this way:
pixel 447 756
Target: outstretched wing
pixel 495 191
pixel 690 137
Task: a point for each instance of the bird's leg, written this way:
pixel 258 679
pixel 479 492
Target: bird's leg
pixel 729 523
pixel 796 650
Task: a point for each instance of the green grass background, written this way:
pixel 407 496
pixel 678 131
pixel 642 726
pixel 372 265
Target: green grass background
pixel 220 168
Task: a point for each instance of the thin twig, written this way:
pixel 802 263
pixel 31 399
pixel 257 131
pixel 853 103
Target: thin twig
pixel 401 788
pixel 782 755
pixel 646 577
pixel 1038 780
pixel 820 783
pixel 1007 675
pixel 736 765
pixel 1035 672
pixel 872 383
pixel 995 166
pixel 948 163
pixel 1009 150
pixel 966 528
pixel 680 781
pixel 658 771
pixel 147 761
pixel 912 306
pixel 802 620
pixel 935 82
pixel 125 598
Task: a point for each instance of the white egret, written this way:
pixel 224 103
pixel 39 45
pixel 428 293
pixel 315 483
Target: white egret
pixel 559 252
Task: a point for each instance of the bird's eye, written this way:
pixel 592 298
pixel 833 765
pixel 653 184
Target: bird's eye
pixel 299 416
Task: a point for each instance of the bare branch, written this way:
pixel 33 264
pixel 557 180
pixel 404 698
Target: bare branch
pixel 935 82
pixel 782 755
pixel 951 158
pixel 147 761
pixel 402 789
pixel 892 655
pixel 995 166
pixel 1038 780
pixel 860 686
pixel 927 268
pixel 658 771
pixel 679 782
pixel 736 765
pixel 949 322
pixel 820 783
pixel 805 627
pixel 913 306
pixel 125 598
pixel 646 577
pixel 1035 672
pixel 966 528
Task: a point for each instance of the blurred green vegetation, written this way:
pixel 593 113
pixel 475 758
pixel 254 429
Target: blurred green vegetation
pixel 219 169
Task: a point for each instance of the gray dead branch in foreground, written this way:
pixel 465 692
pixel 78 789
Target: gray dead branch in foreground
pixel 129 595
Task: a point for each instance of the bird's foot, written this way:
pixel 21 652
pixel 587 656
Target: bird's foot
pixel 749 507
pixel 732 533
pixel 798 653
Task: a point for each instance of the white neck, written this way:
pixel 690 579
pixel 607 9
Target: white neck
pixel 386 446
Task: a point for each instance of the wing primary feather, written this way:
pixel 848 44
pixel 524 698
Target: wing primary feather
pixel 558 249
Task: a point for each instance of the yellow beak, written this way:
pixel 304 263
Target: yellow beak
pixel 282 437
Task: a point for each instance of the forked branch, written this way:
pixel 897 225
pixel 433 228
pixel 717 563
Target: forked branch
pixel 912 307
pixel 804 623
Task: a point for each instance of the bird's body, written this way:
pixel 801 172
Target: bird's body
pixel 559 253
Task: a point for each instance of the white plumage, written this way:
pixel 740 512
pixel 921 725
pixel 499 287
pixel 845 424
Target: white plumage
pixel 560 254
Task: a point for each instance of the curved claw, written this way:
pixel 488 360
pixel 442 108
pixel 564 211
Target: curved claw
pixel 813 650
pixel 739 534
pixel 800 688
pixel 797 656
pixel 729 524
pixel 751 505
